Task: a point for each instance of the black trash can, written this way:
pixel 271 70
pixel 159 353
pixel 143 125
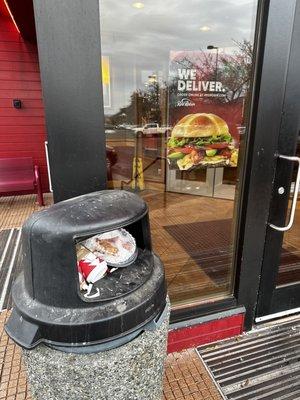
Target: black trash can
pixel 92 293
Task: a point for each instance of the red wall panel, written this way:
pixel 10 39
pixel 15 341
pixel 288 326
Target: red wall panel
pixel 24 120
pixel 23 67
pixel 20 85
pixel 196 335
pixel 22 131
pixel 19 56
pixel 23 94
pixel 11 75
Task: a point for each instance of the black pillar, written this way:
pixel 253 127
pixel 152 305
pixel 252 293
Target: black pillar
pixel 68 35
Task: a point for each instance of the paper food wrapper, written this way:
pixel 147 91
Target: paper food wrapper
pixel 117 247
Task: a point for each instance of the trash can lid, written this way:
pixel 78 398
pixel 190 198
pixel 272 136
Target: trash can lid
pixel 49 240
pixel 94 212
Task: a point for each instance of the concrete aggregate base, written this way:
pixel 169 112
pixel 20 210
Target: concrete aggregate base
pixel 133 371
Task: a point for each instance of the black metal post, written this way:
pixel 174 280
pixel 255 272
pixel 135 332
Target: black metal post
pixel 68 34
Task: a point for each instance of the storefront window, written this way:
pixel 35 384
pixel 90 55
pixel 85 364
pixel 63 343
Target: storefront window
pixel 176 81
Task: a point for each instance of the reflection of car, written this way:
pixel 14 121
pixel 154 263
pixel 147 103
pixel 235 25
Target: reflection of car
pixel 109 129
pixel 125 126
pixel 119 132
pixel 153 129
pixel 111 156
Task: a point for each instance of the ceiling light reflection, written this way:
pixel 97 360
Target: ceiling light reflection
pixel 138 4
pixel 205 28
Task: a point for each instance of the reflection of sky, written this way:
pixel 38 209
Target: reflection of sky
pixel 141 39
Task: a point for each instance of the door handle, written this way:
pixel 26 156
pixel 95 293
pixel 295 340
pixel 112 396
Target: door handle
pixel 295 196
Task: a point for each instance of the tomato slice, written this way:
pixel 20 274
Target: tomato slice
pixel 221 145
pixel 184 150
pixel 225 153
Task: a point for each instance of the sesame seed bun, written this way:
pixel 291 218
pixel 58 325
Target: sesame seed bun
pixel 200 125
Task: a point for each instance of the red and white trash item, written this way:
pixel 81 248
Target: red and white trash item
pixel 92 268
pixel 102 254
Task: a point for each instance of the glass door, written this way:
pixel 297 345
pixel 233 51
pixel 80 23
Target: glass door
pixel 176 93
pixel 280 279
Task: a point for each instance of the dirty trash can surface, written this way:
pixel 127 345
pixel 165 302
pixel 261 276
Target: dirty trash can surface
pixel 133 371
pixel 48 305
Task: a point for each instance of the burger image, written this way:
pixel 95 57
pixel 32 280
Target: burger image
pixel 201 140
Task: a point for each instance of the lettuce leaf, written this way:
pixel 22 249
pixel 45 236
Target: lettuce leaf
pixel 201 141
pixel 213 139
pixel 177 142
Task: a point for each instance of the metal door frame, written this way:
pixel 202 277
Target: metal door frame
pixel 272 84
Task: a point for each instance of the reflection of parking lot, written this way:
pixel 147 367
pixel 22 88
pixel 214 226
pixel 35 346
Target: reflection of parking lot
pixel 122 170
pixel 119 134
pixel 126 145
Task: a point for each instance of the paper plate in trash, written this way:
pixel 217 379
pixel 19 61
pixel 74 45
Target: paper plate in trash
pixel 117 247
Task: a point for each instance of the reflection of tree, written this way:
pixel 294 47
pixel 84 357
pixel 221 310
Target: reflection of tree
pixel 234 71
pixel 147 105
pixel 134 111
pixel 151 103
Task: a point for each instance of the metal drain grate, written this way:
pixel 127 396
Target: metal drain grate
pixel 260 365
pixel 9 263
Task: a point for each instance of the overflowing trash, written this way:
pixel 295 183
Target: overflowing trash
pixel 102 254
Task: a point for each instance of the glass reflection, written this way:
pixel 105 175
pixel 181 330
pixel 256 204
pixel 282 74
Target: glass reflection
pixel 176 91
pixel 289 267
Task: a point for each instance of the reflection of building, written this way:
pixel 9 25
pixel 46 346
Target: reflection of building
pixel 163 105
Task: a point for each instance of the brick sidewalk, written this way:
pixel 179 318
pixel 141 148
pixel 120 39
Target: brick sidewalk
pixel 14 210
pixel 187 379
pixel 185 376
pixel 13 384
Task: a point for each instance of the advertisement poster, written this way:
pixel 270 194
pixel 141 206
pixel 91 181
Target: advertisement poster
pixel 205 112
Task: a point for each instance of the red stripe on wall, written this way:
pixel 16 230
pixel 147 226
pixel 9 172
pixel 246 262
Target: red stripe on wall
pixel 20 94
pixel 31 76
pixel 22 131
pixel 38 156
pixel 34 147
pixel 20 140
pixel 207 332
pixel 30 104
pixel 15 129
pixel 18 56
pixel 19 67
pixel 6 24
pixel 23 113
pixel 11 36
pixel 17 46
pixel 24 120
pixel 20 85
